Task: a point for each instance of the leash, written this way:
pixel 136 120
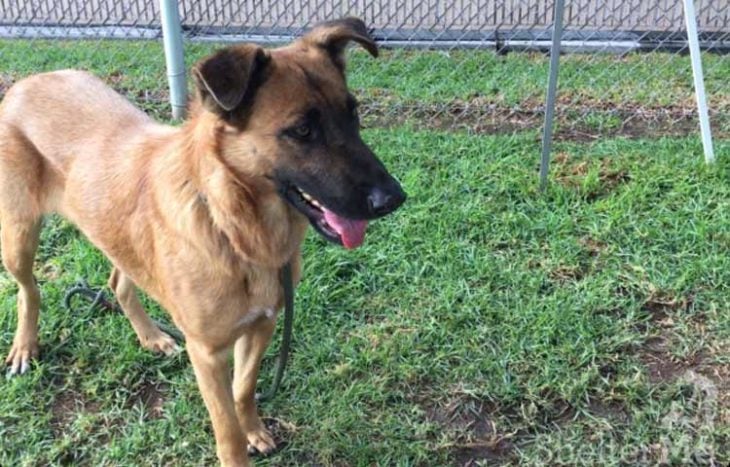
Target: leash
pixel 98 300
pixel 287 283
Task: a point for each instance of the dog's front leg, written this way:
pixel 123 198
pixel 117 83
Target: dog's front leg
pixel 212 372
pixel 247 355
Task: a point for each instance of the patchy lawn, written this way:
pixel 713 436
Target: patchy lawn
pixel 484 323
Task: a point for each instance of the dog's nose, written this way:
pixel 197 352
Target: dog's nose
pixel 381 202
pixel 378 201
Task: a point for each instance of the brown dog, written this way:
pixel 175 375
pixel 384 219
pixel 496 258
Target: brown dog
pixel 201 217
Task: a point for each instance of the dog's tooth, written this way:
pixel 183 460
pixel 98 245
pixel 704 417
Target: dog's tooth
pixel 309 198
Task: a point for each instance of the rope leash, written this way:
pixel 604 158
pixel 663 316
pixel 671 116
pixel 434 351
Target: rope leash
pixel 98 300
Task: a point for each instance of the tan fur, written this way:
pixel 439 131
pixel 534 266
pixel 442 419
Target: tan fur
pixel 186 214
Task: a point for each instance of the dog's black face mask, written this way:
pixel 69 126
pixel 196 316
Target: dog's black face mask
pixel 336 181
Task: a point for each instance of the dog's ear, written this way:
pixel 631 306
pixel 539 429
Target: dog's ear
pixel 333 36
pixel 226 78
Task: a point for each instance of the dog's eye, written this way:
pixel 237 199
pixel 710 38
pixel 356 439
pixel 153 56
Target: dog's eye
pixel 303 131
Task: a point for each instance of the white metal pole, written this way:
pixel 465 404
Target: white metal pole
pixel 694 50
pixel 547 133
pixel 172 40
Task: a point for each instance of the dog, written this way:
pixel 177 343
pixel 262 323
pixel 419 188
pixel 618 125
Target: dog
pixel 203 216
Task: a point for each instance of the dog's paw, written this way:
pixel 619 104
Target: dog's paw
pixel 162 343
pixel 20 356
pixel 260 441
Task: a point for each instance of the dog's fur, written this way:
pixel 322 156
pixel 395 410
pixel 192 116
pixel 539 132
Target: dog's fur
pixel 201 217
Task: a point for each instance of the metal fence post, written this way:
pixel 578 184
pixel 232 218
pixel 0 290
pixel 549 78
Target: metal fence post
pixel 694 50
pixel 547 133
pixel 172 40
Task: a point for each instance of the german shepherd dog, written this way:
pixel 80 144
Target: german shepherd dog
pixel 201 217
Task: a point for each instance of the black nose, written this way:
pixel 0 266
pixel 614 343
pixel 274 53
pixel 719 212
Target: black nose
pixel 381 202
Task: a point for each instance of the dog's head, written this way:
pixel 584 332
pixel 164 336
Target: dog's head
pixel 290 119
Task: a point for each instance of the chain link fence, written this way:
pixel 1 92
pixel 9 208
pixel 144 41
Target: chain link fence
pixel 638 81
pixel 472 65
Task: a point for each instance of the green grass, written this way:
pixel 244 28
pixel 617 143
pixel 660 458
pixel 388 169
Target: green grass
pixel 585 326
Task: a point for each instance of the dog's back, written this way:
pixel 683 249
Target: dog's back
pixel 70 106
pixel 65 127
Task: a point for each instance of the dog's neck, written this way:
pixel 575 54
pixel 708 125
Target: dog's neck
pixel 233 216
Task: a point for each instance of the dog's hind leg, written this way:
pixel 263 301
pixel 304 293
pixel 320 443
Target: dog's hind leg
pixel 150 336
pixel 19 238
pixel 21 191
pixel 247 355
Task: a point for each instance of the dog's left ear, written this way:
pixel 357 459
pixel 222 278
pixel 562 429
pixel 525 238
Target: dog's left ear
pixel 333 36
pixel 226 77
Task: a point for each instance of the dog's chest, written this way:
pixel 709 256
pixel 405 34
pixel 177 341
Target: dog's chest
pixel 259 298
pixel 217 308
pixel 262 288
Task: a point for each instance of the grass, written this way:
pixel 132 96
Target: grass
pixel 484 322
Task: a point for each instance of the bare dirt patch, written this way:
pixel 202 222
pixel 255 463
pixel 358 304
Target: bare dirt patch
pixel 474 431
pixel 711 360
pixel 583 121
pixel 660 304
pixel 67 404
pixel 455 115
pixel 656 355
pixel 608 410
pixel 715 365
pixel 471 433
pixel 575 175
pixel 588 261
pixel 592 246
pixel 719 372
pixel 565 274
pixel 151 396
pixel 661 365
pixel 611 178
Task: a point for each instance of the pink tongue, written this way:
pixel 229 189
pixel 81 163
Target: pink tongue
pixel 352 232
